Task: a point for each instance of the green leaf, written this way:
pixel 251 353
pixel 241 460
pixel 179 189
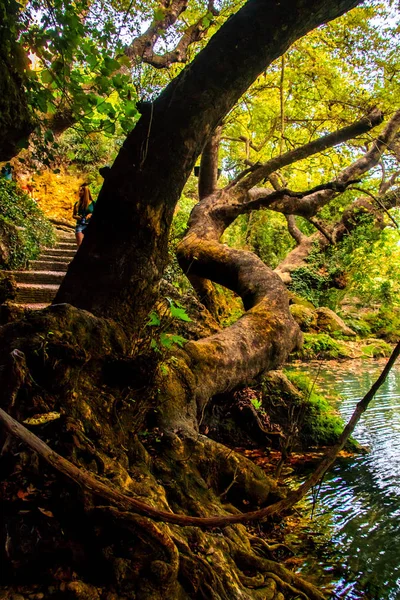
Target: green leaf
pixel 48 136
pixel 167 340
pixel 179 313
pixel 154 319
pixel 109 127
pixel 179 340
pixel 111 64
pixel 130 108
pixel 46 76
pixel 154 345
pixel 158 14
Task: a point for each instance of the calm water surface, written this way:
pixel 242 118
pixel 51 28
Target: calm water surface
pixel 356 521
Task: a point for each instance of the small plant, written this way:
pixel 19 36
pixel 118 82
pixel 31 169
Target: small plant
pixel 257 403
pixel 164 340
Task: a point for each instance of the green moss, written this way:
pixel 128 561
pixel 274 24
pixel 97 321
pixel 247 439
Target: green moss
pixel 321 424
pixel 376 349
pixel 297 409
pixel 322 345
pixel 23 227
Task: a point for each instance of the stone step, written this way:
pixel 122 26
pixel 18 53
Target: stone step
pixel 66 246
pixel 55 258
pixel 38 277
pixel 64 235
pixel 29 293
pixel 30 306
pixel 61 252
pixel 48 265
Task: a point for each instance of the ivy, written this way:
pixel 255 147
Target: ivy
pixel 23 227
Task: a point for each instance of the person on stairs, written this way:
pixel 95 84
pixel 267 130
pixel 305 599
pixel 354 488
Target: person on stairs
pixel 83 210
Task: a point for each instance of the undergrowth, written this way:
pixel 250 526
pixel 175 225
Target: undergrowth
pixel 23 227
pixel 322 345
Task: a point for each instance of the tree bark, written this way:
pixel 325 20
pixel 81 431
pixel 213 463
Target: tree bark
pixel 117 270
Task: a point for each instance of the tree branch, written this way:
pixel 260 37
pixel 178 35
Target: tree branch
pixel 294 231
pixel 260 172
pixel 143 46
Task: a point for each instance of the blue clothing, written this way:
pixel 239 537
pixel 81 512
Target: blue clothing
pixel 81 218
pixel 6 172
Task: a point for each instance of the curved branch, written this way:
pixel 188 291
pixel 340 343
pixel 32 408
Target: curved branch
pixel 143 46
pixel 294 231
pixel 308 204
pixel 260 172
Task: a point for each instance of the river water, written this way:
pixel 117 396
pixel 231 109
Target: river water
pixel 356 522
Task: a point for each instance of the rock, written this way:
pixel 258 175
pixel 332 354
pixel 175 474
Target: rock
pixel 295 299
pixel 8 287
pixel 329 322
pixel 304 316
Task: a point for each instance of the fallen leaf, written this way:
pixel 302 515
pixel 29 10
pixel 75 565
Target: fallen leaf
pixel 42 419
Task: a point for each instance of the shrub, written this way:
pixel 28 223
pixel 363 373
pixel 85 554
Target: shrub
pixel 23 227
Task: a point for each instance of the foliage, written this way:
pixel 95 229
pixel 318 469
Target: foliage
pixel 264 233
pixel 85 152
pixel 161 339
pixel 29 228
pixel 384 323
pixel 366 262
pixel 376 349
pixel 374 265
pixel 15 114
pixel 309 283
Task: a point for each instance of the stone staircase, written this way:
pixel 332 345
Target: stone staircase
pixel 37 286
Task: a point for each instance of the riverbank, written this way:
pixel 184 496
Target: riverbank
pixel 348 534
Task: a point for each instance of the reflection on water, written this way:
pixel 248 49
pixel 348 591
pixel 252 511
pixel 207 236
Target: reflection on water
pixel 359 501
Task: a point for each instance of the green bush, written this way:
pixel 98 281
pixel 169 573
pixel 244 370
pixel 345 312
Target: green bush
pixel 384 323
pixel 23 227
pixel 376 349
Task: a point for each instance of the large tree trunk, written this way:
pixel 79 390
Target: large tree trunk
pixel 111 409
pixel 117 270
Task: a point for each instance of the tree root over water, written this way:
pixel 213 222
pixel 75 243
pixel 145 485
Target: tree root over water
pixel 121 512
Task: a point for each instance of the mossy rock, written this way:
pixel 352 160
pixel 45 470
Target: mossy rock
pixel 322 345
pixel 329 322
pixel 304 316
pixel 295 299
pixel 359 325
pixel 376 349
pixel 384 323
pixel 294 403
